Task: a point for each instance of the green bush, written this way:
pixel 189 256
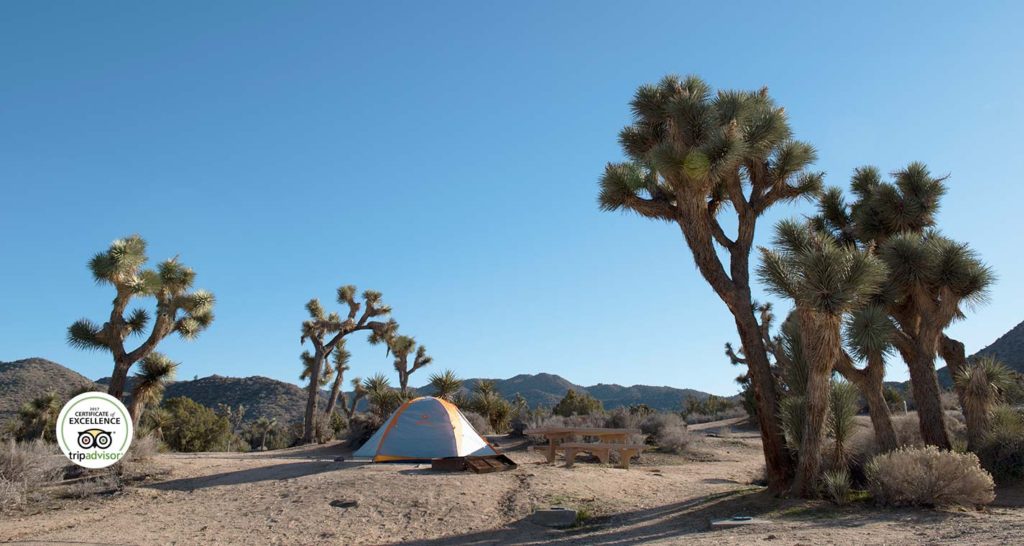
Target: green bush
pixel 361 428
pixel 194 427
pixel 574 403
pixel 929 476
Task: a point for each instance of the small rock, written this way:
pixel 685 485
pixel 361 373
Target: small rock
pixel 554 517
pixel 344 503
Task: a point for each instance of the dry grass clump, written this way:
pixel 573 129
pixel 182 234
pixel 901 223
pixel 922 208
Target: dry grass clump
pixel 24 467
pixel 929 476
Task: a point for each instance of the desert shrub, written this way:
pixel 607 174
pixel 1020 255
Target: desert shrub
pixel 143 449
pixel 577 403
pixel 194 427
pixel 792 413
pixel 624 418
pixel 908 430
pixel 929 476
pixel 712 406
pixel 727 413
pixel 836 485
pixel 667 431
pixel 673 439
pixel 24 467
pixel 1002 448
pixel 361 428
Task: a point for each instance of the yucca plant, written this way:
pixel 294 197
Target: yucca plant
pixel 179 309
pixel 339 359
pixel 445 384
pixel 325 332
pixel 842 412
pixel 694 155
pixel 155 372
pixel 37 418
pixel 982 383
pixel 825 280
pixel 383 399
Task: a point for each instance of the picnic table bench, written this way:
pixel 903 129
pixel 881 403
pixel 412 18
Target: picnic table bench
pixel 610 440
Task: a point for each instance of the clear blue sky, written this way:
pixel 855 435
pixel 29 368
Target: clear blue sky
pixel 448 154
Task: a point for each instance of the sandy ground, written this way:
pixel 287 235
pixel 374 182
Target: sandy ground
pixel 302 496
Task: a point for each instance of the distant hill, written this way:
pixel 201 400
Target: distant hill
pixel 547 389
pixel 264 397
pixel 23 380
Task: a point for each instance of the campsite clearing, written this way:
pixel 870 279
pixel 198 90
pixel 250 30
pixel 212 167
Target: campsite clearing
pixel 302 496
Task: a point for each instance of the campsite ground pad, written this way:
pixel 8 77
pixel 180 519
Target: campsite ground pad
pixel 478 465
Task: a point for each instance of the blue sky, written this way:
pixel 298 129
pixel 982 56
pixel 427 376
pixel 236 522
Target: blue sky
pixel 447 154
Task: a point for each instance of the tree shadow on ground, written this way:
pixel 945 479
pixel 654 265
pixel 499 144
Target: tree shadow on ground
pixel 689 518
pixel 283 471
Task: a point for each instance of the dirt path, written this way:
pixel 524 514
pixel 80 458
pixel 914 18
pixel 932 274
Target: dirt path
pixel 302 496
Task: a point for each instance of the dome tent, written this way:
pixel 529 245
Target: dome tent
pixel 423 429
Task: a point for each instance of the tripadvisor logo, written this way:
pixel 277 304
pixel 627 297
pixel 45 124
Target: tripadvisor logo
pixel 94 430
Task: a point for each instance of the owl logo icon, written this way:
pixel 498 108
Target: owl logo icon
pixel 94 437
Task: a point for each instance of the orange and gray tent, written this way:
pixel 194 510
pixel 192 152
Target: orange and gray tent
pixel 423 429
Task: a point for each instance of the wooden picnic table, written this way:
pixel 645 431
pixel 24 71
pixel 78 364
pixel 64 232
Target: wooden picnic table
pixel 556 436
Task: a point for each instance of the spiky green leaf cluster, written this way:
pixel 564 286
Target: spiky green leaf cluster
pixel 816 272
pixel 868 331
pixel 928 263
pixel 686 140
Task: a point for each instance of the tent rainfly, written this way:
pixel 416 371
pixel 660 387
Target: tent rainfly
pixel 423 429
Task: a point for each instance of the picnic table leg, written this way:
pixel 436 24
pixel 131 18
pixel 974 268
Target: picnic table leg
pixel 550 452
pixel 604 455
pixel 624 458
pixel 570 457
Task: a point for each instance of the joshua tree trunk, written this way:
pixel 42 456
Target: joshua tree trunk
pixel 820 335
pixel 135 410
pixel 312 395
pixel 119 376
pixel 335 391
pixel 953 352
pixel 927 398
pixel 869 382
pixel 778 463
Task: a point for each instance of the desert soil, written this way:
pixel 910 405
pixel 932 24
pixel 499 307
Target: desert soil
pixel 303 496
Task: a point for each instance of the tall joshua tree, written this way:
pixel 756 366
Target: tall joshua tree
pixel 931 278
pixel 339 358
pixel 694 155
pixel 825 280
pixel 403 347
pixel 179 310
pixel 325 332
pixel 155 371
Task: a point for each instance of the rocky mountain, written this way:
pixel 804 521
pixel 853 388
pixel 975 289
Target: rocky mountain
pixel 1008 348
pixel 23 380
pixel 264 397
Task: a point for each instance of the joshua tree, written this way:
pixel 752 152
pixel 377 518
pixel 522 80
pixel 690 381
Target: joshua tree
pixel 178 310
pixel 694 155
pixel 358 392
pixel 38 418
pixel 155 372
pixel 868 332
pixel 402 347
pixel 445 384
pixel 930 280
pixel 983 383
pixel 340 358
pixel 325 332
pixel 825 280
pixel 156 420
pixel 263 426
